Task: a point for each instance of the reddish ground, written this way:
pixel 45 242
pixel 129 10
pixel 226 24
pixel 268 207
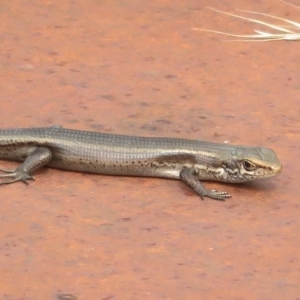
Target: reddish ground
pixel 137 67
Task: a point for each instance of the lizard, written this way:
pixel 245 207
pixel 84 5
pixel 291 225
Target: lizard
pixel 190 161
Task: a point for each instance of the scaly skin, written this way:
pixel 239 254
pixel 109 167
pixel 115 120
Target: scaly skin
pixel 187 160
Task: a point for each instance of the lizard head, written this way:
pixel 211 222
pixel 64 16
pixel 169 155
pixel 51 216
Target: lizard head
pixel 251 163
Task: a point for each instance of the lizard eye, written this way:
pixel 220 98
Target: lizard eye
pixel 249 166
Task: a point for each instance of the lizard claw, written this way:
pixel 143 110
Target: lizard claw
pixel 215 194
pixel 11 176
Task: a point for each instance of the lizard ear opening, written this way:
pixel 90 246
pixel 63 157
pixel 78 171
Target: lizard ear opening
pixel 248 165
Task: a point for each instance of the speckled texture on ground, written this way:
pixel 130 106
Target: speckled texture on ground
pixel 136 67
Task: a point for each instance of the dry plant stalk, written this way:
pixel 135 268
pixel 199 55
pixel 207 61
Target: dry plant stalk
pixel 284 32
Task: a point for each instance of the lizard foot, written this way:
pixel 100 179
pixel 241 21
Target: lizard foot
pixel 215 194
pixel 11 176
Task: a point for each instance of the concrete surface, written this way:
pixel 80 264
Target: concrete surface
pixel 136 67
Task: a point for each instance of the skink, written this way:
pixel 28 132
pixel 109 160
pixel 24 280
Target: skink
pixel 191 161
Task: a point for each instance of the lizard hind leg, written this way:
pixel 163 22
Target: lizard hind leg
pixel 12 176
pixel 38 158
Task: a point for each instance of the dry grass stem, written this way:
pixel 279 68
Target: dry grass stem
pixel 287 32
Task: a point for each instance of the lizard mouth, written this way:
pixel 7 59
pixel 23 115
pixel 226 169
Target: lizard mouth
pixel 277 169
pixel 259 174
